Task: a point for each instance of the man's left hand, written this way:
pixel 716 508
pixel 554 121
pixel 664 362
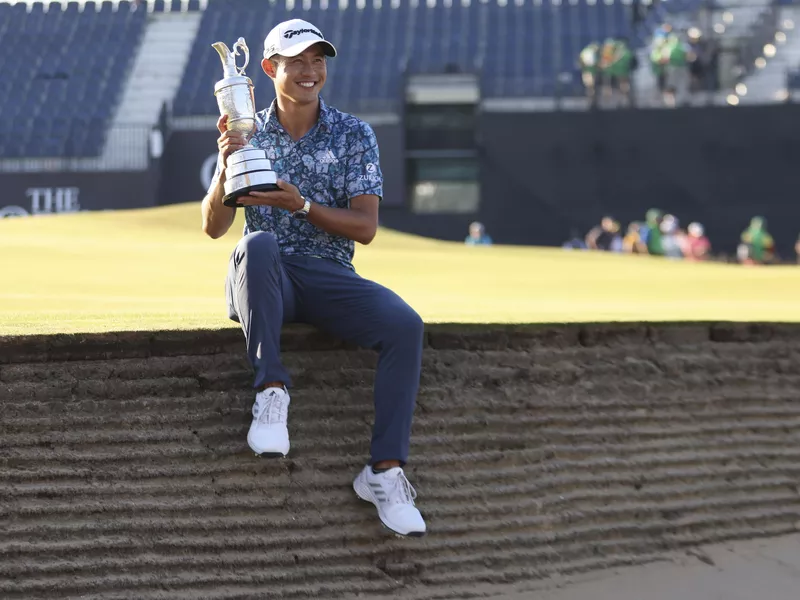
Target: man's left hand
pixel 287 198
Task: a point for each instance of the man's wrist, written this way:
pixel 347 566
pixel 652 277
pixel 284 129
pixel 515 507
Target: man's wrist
pixel 302 212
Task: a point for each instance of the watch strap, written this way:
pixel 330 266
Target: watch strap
pixel 301 213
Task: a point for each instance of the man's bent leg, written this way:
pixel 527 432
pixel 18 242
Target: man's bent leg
pixel 261 298
pixel 349 307
pixel 335 299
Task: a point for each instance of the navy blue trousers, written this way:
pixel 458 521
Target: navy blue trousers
pixel 266 290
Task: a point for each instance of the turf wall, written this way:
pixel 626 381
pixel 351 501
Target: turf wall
pixel 538 452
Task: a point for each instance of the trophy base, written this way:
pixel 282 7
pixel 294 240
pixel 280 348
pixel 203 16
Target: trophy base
pixel 233 198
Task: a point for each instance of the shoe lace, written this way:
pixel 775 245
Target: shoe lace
pixel 274 409
pixel 401 491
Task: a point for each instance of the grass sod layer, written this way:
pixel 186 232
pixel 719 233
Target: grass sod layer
pixel 153 269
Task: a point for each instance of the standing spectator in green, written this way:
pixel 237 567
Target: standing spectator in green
pixel 589 61
pixel 658 62
pixel 677 70
pixel 618 70
pixel 606 55
pixel 760 245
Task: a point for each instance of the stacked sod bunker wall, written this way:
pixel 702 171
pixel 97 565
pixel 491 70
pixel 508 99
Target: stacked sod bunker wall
pixel 538 452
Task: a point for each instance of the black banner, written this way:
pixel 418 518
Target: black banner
pixel 46 193
pixel 545 174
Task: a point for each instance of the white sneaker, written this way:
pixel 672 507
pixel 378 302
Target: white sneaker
pixel 393 495
pixel 268 435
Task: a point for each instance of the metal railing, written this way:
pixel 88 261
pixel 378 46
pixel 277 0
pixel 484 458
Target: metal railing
pixel 124 148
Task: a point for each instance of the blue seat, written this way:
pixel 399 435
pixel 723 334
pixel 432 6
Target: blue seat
pixel 85 81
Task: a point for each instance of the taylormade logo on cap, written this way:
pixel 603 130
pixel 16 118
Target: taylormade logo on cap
pixel 293 32
pixel 291 38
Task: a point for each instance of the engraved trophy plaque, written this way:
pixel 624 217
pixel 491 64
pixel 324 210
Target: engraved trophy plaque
pixel 247 170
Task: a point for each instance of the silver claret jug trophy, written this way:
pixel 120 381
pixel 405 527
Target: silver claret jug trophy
pixel 247 170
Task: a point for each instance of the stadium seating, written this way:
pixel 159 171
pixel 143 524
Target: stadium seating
pixel 61 75
pixel 62 67
pixel 524 48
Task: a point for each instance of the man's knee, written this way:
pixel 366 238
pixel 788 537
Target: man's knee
pixel 405 325
pixel 259 245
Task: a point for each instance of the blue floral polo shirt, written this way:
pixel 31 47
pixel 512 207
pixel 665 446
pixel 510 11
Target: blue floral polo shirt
pixel 334 162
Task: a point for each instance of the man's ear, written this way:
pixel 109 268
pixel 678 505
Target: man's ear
pixel 269 67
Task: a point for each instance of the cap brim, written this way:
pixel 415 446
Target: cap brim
pixel 301 47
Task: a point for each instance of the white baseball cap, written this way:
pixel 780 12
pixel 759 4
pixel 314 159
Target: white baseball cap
pixel 290 38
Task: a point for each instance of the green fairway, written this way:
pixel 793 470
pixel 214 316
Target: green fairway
pixel 154 269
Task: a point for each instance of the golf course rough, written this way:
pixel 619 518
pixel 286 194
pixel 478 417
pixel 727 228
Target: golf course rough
pixel 538 452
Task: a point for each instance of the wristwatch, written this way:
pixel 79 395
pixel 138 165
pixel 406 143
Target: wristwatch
pixel 302 213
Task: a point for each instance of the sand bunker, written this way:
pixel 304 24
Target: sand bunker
pixel 538 452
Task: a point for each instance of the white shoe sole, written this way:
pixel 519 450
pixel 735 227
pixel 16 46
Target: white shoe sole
pixel 364 492
pixel 273 453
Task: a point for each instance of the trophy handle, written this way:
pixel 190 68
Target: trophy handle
pixel 240 43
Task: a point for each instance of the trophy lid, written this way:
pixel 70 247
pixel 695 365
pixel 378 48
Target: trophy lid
pixel 228 58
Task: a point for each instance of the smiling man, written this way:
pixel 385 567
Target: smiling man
pixel 294 263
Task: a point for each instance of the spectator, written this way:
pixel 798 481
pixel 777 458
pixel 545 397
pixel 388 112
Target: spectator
pixel 575 241
pixel 743 255
pixel 759 243
pixel 633 243
pixel 658 59
pixel 651 232
pixel 675 59
pixel 797 249
pixel 477 235
pixel 605 236
pixel 697 246
pixel 588 61
pixel 672 239
pixel 617 63
pixel 702 62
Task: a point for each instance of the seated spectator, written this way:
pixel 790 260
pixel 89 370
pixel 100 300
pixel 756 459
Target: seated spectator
pixel 575 241
pixel 633 243
pixel 760 245
pixel 477 235
pixel 696 244
pixel 797 249
pixel 605 236
pixel 743 255
pixel 672 239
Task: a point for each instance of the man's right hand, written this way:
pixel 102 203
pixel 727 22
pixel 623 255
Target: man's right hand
pixel 218 218
pixel 228 141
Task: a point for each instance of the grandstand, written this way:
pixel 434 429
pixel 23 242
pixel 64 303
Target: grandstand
pixel 518 49
pixel 62 75
pixel 110 67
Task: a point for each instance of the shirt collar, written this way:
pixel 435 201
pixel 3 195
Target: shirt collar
pixel 272 124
